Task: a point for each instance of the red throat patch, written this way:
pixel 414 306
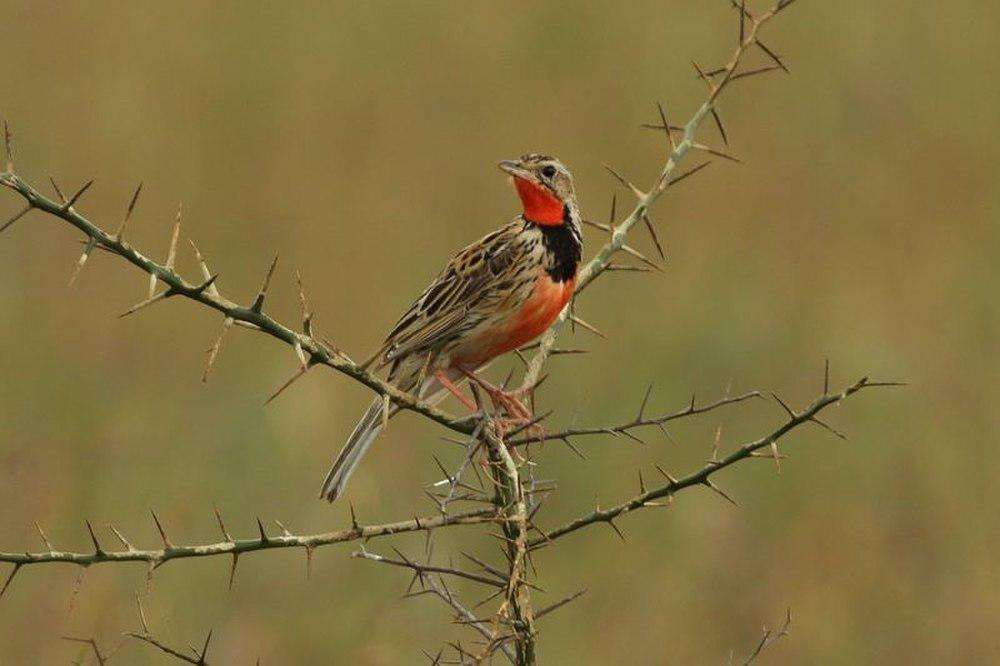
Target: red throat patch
pixel 540 205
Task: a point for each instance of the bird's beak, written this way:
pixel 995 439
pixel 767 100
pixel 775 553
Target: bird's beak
pixel 515 169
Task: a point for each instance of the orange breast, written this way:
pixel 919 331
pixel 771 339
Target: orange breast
pixel 535 315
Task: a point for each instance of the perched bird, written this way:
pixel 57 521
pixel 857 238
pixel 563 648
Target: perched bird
pixel 495 296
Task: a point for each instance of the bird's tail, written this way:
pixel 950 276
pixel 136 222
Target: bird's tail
pixel 357 445
pixel 431 392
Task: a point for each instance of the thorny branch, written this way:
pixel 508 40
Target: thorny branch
pixel 750 26
pixel 511 628
pixel 703 476
pixel 639 421
pixel 92 647
pixel 235 547
pixel 197 656
pixel 422 569
pixel 514 620
pixel 193 655
pixel 310 351
pixel 768 638
pixel 431 580
pixel 493 642
pixel 516 609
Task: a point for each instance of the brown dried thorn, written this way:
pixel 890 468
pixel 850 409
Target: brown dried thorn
pixel 639 194
pixel 79 193
pixel 258 303
pixel 8 140
pixel 666 126
pixel 689 173
pixel 17 216
pixel 652 232
pixel 128 212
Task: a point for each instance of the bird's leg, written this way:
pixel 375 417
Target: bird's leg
pixel 455 391
pixel 509 401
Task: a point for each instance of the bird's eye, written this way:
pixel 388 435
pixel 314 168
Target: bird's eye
pixel 549 171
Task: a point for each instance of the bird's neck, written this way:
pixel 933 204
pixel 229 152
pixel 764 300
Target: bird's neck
pixel 559 222
pixel 563 243
pixel 541 206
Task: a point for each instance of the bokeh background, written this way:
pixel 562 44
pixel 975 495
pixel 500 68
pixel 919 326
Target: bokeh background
pixel 359 140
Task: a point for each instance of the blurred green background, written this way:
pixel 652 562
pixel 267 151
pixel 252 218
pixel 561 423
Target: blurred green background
pixel 360 140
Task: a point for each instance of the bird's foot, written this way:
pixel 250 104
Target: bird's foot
pixel 508 402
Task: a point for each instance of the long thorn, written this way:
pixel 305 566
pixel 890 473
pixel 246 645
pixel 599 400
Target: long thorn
pixel 828 427
pixel 82 260
pixel 146 303
pixel 559 604
pixel 175 234
pixel 281 389
pixel 24 211
pixel 45 539
pixel 79 193
pixel 645 400
pixel 222 526
pixel 10 579
pixel 627 249
pixel 128 212
pixel 232 569
pixel 612 266
pixel 121 537
pixel 772 55
pixel 59 192
pixel 718 123
pixel 93 537
pixel 203 265
pixel 589 327
pixel 717 153
pixel 621 536
pixel 639 194
pixel 791 412
pixel 204 648
pixel 142 615
pixel 652 232
pixel 306 312
pixel 711 484
pixel 753 72
pixel 743 20
pixel 258 302
pixel 163 533
pixel 213 351
pixel 688 174
pixel 8 140
pixel 666 126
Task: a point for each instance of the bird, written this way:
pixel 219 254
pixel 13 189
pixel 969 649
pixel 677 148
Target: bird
pixel 494 296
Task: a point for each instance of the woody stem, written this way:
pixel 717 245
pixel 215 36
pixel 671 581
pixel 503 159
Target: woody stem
pixel 510 501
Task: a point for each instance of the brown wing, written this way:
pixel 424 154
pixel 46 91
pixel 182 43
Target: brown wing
pixel 446 309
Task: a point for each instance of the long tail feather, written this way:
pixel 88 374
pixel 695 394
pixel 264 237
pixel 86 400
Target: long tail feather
pixel 368 428
pixel 357 445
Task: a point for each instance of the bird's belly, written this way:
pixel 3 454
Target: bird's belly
pixel 523 324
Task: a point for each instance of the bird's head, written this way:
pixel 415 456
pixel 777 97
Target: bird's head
pixel 545 186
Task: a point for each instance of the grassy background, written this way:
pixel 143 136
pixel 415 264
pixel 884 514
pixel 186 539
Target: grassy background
pixel 359 140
